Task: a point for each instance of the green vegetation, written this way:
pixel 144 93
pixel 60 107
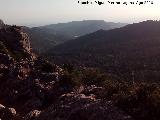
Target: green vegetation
pixel 3 48
pixel 70 80
pixel 17 55
pixel 141 100
pixel 46 67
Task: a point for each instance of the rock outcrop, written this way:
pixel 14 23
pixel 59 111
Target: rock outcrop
pixel 15 52
pixel 1 24
pixel 15 39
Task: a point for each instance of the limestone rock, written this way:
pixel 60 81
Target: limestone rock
pixel 32 115
pixel 81 107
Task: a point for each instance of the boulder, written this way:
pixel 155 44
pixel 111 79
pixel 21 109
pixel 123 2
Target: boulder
pixel 32 115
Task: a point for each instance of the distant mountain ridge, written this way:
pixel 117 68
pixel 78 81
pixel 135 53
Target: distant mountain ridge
pixel 79 28
pixel 46 37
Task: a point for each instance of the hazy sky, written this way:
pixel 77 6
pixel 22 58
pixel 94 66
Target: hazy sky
pixel 40 12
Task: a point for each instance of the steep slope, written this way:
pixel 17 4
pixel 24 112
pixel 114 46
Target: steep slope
pixel 25 79
pixel 133 49
pixel 46 37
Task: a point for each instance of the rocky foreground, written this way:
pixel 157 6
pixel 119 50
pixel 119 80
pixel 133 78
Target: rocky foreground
pixel 31 89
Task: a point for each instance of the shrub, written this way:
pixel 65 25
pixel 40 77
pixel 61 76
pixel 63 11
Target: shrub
pixel 46 67
pixel 142 101
pixel 93 77
pixel 70 80
pixel 68 67
pixel 3 47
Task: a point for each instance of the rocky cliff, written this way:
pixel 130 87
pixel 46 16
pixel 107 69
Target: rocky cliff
pixel 23 75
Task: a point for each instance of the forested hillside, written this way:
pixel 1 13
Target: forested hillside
pixel 129 52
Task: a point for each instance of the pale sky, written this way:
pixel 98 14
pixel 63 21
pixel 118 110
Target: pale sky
pixel 41 12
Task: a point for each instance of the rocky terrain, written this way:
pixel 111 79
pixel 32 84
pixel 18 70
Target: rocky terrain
pixel 33 89
pixel 25 78
pixel 81 107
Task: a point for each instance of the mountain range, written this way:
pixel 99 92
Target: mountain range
pixel 45 37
